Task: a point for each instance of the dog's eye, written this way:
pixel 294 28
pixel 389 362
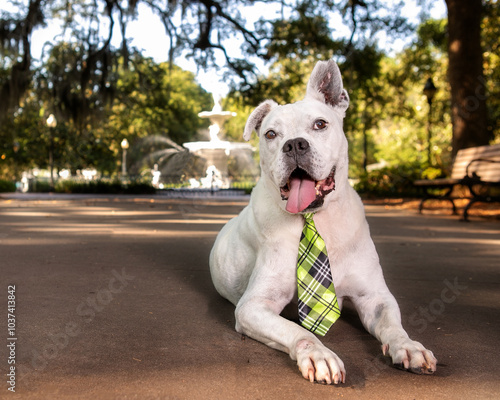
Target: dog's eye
pixel 319 125
pixel 270 135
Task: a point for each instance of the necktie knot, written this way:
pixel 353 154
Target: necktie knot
pixel 308 217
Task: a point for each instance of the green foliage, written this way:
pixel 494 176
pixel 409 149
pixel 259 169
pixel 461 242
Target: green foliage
pixel 285 83
pixel 403 125
pixel 148 98
pixel 389 182
pixel 247 186
pixel 490 30
pixel 304 34
pixel 40 186
pixel 101 95
pixel 433 173
pixel 388 114
pixel 233 128
pixel 7 186
pixel 433 33
pixel 71 83
pixel 155 99
pixel 104 187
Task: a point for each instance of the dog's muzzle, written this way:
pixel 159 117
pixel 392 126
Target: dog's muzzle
pixel 301 191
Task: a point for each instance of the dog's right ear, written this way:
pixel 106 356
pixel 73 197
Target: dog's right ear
pixel 256 117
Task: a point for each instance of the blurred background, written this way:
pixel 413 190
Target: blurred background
pixel 95 94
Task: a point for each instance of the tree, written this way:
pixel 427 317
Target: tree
pixel 401 134
pixel 198 29
pixel 149 99
pixel 296 43
pixel 386 119
pixel 15 46
pixel 156 99
pixel 66 86
pixel 465 73
pixel 81 75
pixel 491 47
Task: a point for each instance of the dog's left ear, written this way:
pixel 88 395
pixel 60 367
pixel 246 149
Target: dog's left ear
pixel 325 85
pixel 256 117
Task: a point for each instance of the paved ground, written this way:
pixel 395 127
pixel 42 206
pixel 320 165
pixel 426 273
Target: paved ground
pixel 114 301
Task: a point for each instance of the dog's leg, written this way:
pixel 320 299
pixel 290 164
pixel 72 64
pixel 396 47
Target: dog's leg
pixel 381 317
pixel 257 316
pixel 259 319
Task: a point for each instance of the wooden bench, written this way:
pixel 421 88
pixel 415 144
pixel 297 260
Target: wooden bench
pixel 478 168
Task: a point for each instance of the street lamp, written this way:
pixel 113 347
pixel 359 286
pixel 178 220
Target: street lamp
pixel 125 146
pixel 51 123
pixel 429 91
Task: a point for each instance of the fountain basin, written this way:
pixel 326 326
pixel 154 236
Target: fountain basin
pixel 219 154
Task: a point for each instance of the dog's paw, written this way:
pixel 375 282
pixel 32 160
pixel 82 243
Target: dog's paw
pixel 318 363
pixel 411 356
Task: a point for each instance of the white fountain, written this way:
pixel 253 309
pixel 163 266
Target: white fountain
pixel 216 152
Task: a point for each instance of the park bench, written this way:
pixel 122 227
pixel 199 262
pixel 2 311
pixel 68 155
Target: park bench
pixel 477 168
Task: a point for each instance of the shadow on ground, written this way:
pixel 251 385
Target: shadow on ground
pixel 114 301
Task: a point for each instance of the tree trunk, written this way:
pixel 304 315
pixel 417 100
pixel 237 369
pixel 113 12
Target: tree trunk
pixel 465 73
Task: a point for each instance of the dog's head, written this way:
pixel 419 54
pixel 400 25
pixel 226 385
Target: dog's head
pixel 303 149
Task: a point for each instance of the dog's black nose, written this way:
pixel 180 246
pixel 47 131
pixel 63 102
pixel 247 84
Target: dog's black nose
pixel 298 146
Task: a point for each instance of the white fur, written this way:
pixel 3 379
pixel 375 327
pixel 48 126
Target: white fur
pixel 253 261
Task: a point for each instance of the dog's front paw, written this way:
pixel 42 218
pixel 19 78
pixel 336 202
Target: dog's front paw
pixel 411 356
pixel 318 363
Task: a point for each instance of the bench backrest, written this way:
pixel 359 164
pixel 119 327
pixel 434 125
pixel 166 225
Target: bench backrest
pixel 487 171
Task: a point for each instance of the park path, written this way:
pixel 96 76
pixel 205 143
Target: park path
pixel 114 301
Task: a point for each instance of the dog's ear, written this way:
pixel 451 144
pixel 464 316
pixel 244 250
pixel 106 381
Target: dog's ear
pixel 325 84
pixel 256 117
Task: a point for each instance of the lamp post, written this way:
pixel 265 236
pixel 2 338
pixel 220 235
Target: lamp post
pixel 429 91
pixel 51 123
pixel 125 146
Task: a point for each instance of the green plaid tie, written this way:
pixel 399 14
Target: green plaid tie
pixel 318 307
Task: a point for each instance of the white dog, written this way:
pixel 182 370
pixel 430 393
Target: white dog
pixel 303 152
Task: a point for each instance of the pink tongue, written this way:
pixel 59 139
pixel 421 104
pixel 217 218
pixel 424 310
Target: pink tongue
pixel 302 194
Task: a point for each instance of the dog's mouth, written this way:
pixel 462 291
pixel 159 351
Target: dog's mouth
pixel 302 192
